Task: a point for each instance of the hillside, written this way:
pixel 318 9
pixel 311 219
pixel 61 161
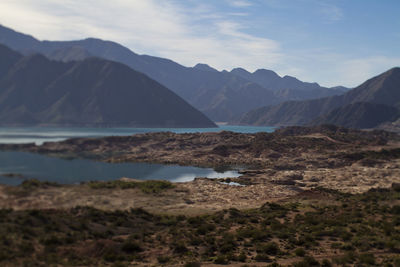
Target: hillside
pixel 383 89
pixel 94 92
pixel 287 87
pixel 222 96
pixel 362 115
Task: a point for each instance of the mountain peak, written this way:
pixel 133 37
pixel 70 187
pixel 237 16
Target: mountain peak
pixel 375 101
pixel 17 41
pixel 395 71
pixel 204 67
pixel 288 77
pixel 266 72
pixel 239 71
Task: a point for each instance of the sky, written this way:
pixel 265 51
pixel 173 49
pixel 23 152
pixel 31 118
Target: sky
pixel 332 42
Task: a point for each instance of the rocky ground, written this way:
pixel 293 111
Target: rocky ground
pixel 275 165
pixel 279 167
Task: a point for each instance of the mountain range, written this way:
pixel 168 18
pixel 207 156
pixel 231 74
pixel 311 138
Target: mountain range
pixel 92 92
pixel 374 102
pixel 221 95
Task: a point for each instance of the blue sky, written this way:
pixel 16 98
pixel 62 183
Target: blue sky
pixel 332 42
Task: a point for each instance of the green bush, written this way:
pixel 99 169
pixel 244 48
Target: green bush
pixel 163 259
pixel 308 261
pixel 270 248
pixel 131 247
pixel 300 252
pixel 326 263
pixel 192 264
pixel 262 257
pixel 367 258
pixel 242 256
pixel 349 257
pixel 180 247
pixel 221 259
pixel 35 183
pixel 151 186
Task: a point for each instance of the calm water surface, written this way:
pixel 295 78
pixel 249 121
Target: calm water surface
pixel 64 171
pixel 39 135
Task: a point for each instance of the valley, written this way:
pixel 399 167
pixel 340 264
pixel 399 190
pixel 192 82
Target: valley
pixel 288 176
pixel 121 146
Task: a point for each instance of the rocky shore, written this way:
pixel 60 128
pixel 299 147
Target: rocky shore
pixel 275 166
pixel 290 207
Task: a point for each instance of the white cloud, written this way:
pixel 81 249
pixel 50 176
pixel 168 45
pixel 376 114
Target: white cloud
pixel 334 69
pixel 355 71
pixel 239 3
pixel 162 28
pixel 331 12
pixel 190 33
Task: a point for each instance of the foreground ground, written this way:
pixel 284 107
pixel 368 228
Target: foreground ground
pixel 305 196
pixel 315 228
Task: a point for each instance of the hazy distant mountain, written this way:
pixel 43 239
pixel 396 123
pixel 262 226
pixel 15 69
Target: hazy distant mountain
pixel 94 92
pixel 380 90
pixel 204 67
pixel 72 53
pixel 287 87
pixel 359 115
pixel 220 95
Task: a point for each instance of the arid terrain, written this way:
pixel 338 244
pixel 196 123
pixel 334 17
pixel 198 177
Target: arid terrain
pixel 305 195
pixel 273 165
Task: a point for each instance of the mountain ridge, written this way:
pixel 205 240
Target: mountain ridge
pixel 217 94
pixel 382 89
pixel 91 92
pixel 363 115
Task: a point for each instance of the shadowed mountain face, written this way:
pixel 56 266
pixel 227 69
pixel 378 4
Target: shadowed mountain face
pixel 220 95
pixel 362 115
pixel 66 54
pixel 287 87
pixel 382 92
pixel 94 92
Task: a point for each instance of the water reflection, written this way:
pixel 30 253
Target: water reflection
pixel 63 171
pixel 39 135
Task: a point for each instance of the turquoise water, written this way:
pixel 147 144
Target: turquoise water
pixel 64 171
pixel 39 135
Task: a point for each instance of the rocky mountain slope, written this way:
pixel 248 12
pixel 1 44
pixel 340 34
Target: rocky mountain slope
pixel 288 87
pixel 362 115
pixel 94 92
pixel 382 93
pixel 222 96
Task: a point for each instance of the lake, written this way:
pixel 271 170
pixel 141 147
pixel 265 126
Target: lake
pixel 39 135
pixel 65 171
pixel 71 171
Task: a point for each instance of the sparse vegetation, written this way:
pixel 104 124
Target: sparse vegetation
pixel 309 226
pixel 151 186
pixel 361 229
pixel 34 183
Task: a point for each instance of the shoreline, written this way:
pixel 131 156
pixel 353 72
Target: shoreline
pixel 309 199
pixel 276 165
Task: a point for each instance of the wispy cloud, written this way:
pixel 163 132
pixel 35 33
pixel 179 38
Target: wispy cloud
pixel 361 69
pixel 196 31
pixel 336 68
pixel 239 3
pixel 187 34
pixel 331 12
